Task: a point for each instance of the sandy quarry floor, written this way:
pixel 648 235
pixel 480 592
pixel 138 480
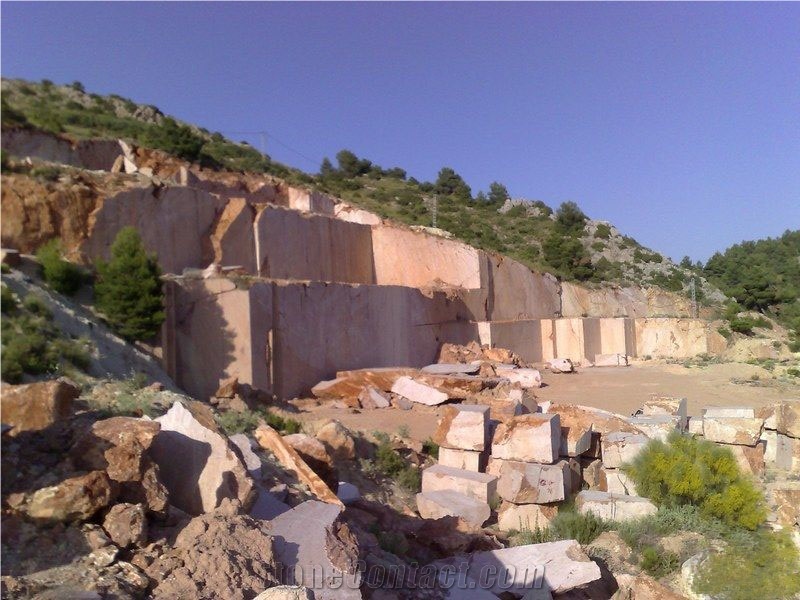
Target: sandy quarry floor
pixel 618 389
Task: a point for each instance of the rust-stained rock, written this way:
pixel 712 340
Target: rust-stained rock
pixel 74 499
pixel 338 440
pixel 316 456
pixel 464 427
pixel 601 421
pixel 36 406
pixel 126 524
pixel 271 440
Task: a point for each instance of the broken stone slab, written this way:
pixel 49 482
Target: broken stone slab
pixel 74 499
pixel 286 592
pixel 751 459
pixel 530 483
pixel 788 418
pixel 667 405
pixel 610 360
pixel 37 406
pixel 787 454
pixel 729 412
pixel 784 496
pixel 464 427
pixel 347 493
pixel 504 401
pixel 555 566
pixel 770 414
pixel 613 507
pixel 251 460
pixel 525 517
pixel 526 378
pixel 576 436
pixel 695 426
pixel 616 482
pixel 338 440
pixel 481 486
pixel 528 438
pixel 315 455
pixel 449 503
pixel 418 392
pixel 198 466
pixel 560 365
pixel 126 525
pixel 316 550
pixel 271 440
pixel 469 460
pixel 656 427
pixel 452 369
pixel 371 398
pixel 620 447
pixel 350 383
pixel 602 421
pixel 732 430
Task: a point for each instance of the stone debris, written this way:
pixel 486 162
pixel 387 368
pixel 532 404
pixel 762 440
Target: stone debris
pixel 271 440
pixel 126 525
pixel 613 507
pixel 788 418
pixel 452 368
pixel 449 503
pixel 560 365
pixel 338 440
pixel 74 499
pixel 198 466
pixel 462 459
pixel 481 486
pixel 530 483
pixel 347 493
pixel 37 406
pixel 286 592
pixel 556 566
pixel 464 427
pixel 371 398
pixel 525 517
pixel 610 360
pixel 656 427
pixel 733 430
pixel 620 447
pixel 315 455
pixel 418 392
pixel 528 438
pixel 526 378
pixel 317 550
pixel 785 498
pixel 601 421
pixel 667 405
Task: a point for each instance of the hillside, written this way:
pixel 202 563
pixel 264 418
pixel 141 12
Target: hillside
pixel 565 241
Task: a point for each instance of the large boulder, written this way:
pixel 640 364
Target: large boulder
pixel 528 438
pixel 530 483
pixel 620 447
pixel 338 440
pixel 525 517
pixel 733 430
pixel 126 524
pixel 464 427
pixel 197 465
pixel 613 507
pixel 74 499
pixel 449 503
pixel 121 447
pixel 481 486
pixel 418 392
pixel 36 406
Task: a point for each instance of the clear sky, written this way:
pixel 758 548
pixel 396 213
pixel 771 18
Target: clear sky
pixel 679 123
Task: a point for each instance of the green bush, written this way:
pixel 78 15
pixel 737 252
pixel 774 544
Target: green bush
pixel 767 567
pixel 687 470
pixel 431 448
pixel 743 325
pixel 571 525
pixel 128 289
pixel 603 231
pixel 233 421
pixel 725 332
pixel 658 563
pixel 7 301
pixel 62 276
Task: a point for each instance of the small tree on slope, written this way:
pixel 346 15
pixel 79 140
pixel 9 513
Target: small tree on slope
pixel 128 289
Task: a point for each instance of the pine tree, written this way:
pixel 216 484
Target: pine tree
pixel 128 289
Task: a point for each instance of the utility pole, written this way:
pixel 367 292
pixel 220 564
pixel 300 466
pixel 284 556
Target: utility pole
pixel 694 298
pixel 435 209
pixel 263 135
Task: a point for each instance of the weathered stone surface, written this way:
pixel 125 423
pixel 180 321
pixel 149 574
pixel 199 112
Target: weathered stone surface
pixel 316 456
pixel 749 458
pixel 562 565
pixel 530 483
pixel 338 440
pixel 535 438
pixel 448 503
pixel 613 507
pixel 788 418
pixel 787 454
pixel 36 406
pixel 525 517
pixel 470 460
pixel 418 392
pixel 526 378
pixel 576 435
pixel 667 405
pixel 616 482
pixel 560 365
pixel 656 427
pixel 216 555
pixel 126 524
pixel 695 426
pixel 371 398
pixel 271 440
pixel 464 427
pixel 74 499
pixel 601 421
pixel 286 592
pixel 785 497
pixel 732 430
pixel 317 551
pixel 198 466
pixel 620 447
pixel 591 469
pixel 727 412
pixel 481 486
pixel 504 401
pixel 452 369
pixel 121 447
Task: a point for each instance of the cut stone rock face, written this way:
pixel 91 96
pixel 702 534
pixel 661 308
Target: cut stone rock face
pixel 610 360
pixel 733 430
pixel 785 496
pixel 788 418
pixel 787 454
pixel 528 438
pixel 616 482
pixel 729 412
pixel 418 392
pixel 666 405
pixel 462 459
pixel 447 503
pixel 464 427
pixel 198 466
pixel 530 483
pixel 620 447
pixel 525 517
pixel 613 507
pixel 575 438
pixel 480 486
pixel 561 565
pixel 749 458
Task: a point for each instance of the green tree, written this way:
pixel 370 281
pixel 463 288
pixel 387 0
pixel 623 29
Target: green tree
pixel 498 193
pixel 570 218
pixel 352 166
pixel 62 276
pixel 450 183
pixel 687 263
pixel 326 168
pixel 128 289
pixel 567 256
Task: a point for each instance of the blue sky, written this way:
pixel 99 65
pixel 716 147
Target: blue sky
pixel 679 123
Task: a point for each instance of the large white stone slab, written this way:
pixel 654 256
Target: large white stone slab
pixel 613 507
pixel 528 438
pixel 480 486
pixel 620 447
pixel 418 392
pixel 444 503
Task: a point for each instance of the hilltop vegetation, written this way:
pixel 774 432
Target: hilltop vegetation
pixel 563 241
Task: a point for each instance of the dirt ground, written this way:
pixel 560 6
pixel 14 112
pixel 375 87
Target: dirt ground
pixel 618 389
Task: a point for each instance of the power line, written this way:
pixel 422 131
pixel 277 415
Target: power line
pixel 267 134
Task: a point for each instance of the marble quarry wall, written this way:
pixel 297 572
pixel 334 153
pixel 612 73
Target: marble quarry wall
pixel 671 338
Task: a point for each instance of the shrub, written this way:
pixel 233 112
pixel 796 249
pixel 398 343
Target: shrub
pixel 725 332
pixel 571 525
pixel 658 563
pixel 46 173
pixel 743 325
pixel 128 290
pixel 7 301
pixel 431 448
pixel 687 470
pixel 603 231
pixel 245 421
pixel 62 276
